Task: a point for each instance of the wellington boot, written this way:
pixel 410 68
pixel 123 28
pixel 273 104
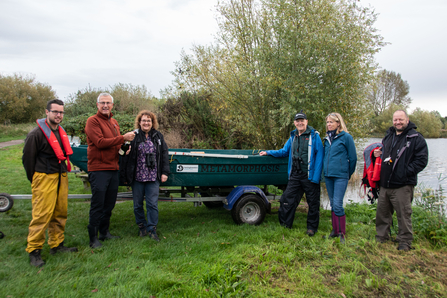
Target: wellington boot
pixel 335 226
pixel 35 259
pixel 342 228
pixel 93 235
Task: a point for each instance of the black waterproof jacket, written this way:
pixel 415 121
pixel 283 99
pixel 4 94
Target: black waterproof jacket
pixel 409 156
pixel 129 162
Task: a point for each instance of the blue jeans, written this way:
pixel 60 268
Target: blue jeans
pixel 150 190
pixel 336 188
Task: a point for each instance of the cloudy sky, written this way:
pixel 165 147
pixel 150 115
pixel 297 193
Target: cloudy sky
pixel 71 45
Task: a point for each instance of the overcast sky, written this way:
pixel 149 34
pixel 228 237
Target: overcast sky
pixel 73 44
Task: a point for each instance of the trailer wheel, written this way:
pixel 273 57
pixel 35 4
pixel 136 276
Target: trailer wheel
pixel 249 209
pixel 6 202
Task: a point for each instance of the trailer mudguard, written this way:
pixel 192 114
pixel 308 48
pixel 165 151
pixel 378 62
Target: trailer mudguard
pixel 237 192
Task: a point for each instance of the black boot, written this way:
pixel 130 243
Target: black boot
pixel 107 236
pixel 93 234
pixel 62 248
pixel 35 259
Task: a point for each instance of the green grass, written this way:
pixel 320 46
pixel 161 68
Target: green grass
pixel 202 253
pixel 15 131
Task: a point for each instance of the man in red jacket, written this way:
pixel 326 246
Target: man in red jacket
pixel 45 159
pixel 104 141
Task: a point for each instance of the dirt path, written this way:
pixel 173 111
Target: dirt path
pixel 10 143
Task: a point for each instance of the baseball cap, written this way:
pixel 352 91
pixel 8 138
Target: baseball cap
pixel 300 115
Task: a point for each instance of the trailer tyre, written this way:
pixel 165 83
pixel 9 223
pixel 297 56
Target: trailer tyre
pixel 2 235
pixel 250 209
pixel 6 202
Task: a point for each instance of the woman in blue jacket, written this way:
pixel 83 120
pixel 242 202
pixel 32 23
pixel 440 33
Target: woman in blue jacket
pixel 340 158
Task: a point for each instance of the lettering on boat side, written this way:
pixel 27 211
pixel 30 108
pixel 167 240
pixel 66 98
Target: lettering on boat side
pixel 187 168
pixel 239 168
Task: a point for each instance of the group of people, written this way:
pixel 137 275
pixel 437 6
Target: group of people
pixel 308 157
pixel 46 161
pixel 145 164
pixel 404 154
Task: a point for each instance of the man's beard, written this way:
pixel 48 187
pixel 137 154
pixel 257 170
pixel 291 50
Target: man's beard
pixel 53 122
pixel 402 129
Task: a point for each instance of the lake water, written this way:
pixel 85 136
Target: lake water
pixel 428 178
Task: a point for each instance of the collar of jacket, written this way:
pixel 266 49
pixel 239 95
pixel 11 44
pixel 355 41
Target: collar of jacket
pixel 295 131
pixel 101 115
pixel 152 133
pixel 337 135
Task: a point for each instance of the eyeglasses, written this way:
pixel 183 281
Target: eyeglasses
pixel 105 103
pixel 57 112
pixel 146 121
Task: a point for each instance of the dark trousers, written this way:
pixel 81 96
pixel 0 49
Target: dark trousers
pixel 298 185
pixel 104 185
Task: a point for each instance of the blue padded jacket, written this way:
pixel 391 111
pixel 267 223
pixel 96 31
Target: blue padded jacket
pixel 315 155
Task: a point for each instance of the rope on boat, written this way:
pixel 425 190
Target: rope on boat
pixel 207 154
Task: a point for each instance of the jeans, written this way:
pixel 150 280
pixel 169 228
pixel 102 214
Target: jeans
pixel 104 185
pixel 149 189
pixel 336 188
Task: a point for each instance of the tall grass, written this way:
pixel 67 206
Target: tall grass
pixel 429 217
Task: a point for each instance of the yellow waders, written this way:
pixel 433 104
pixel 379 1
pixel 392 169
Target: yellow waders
pixel 49 210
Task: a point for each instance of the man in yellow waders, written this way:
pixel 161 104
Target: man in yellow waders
pixel 46 159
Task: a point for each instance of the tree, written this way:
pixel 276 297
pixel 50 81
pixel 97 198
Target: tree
pixel 22 99
pixel 128 101
pixel 388 88
pixel 382 122
pixel 273 58
pixel 429 125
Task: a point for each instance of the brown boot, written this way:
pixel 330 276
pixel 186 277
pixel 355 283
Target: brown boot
pixel 35 259
pixel 143 231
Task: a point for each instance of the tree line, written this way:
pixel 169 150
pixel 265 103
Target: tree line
pixel 270 59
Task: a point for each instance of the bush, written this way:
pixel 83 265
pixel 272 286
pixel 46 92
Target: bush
pixel 191 117
pixel 23 99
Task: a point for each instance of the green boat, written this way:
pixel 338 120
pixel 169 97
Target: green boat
pixel 218 177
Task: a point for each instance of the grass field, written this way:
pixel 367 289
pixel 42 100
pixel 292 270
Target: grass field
pixel 202 253
pixel 15 131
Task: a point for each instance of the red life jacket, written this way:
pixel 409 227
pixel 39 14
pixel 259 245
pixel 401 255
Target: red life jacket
pixel 371 171
pixel 54 143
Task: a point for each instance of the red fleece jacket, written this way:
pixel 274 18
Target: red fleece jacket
pixel 103 140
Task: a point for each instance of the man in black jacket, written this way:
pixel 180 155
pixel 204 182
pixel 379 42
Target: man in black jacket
pixel 404 155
